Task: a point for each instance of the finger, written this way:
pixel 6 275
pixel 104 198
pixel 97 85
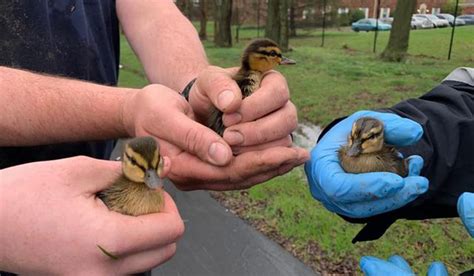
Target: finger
pixel 465 208
pixel 400 263
pixel 218 86
pixel 272 95
pixel 413 187
pixel 147 260
pixel 247 167
pixel 375 266
pixel 136 234
pixel 415 164
pixel 274 126
pixel 437 269
pixel 166 167
pixel 284 142
pixel 197 139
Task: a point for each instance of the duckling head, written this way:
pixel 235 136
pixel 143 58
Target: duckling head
pixel 263 55
pixel 366 137
pixel 142 162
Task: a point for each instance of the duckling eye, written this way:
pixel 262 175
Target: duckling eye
pixel 133 161
pixel 273 53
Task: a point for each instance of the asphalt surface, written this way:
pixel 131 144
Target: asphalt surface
pixel 216 242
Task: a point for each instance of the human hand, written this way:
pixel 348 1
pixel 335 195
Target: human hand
pixel 396 265
pixel 466 211
pixel 268 109
pixel 366 194
pixel 52 222
pixel 201 158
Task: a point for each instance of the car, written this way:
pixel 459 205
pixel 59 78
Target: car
pixel 468 18
pixel 369 24
pixel 419 23
pixel 435 21
pixel 387 20
pixel 450 18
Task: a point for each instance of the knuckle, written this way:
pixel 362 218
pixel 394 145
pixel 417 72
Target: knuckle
pixel 193 140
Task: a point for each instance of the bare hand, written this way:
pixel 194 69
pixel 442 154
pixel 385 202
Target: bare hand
pixel 263 120
pixel 52 222
pixel 201 159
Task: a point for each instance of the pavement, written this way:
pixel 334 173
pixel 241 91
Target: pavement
pixel 216 242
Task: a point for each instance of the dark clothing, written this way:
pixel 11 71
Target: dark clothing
pixel 75 39
pixel 447 147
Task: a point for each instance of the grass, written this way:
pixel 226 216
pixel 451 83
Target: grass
pixel 334 81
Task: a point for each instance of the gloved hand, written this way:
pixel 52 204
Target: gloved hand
pixel 396 266
pixel 367 194
pixel 466 211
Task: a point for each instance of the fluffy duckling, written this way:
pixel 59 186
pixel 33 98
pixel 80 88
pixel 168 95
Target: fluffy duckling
pixel 367 152
pixel 260 56
pixel 139 190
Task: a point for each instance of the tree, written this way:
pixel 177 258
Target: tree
pixel 203 20
pixel 185 6
pixel 292 23
pixel 276 27
pixel 222 23
pixel 400 34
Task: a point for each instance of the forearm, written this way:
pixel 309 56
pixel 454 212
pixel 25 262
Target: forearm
pixel 39 109
pixel 166 42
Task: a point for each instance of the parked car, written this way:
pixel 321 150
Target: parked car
pixel 468 18
pixel 387 20
pixel 420 23
pixel 450 18
pixel 370 24
pixel 435 21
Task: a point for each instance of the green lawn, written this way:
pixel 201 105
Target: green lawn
pixel 333 81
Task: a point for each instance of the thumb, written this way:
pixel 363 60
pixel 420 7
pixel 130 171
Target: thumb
pixel 437 269
pixel 216 85
pixel 197 140
pixel 93 175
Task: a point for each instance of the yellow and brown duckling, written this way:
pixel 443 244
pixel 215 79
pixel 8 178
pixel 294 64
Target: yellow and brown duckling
pixel 260 56
pixel 139 190
pixel 366 150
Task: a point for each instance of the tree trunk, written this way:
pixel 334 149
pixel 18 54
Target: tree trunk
pixel 222 23
pixel 185 7
pixel 292 24
pixel 203 20
pixel 283 25
pixel 276 27
pixel 272 26
pixel 397 46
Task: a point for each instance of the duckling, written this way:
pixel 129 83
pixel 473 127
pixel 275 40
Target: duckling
pixel 260 56
pixel 139 190
pixel 367 152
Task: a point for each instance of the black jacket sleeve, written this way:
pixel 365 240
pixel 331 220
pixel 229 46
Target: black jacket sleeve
pixel 447 147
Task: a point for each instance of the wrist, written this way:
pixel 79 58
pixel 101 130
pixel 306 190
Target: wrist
pixel 127 116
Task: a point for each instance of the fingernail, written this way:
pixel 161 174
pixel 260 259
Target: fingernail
pixel 232 119
pixel 218 153
pixel 233 137
pixel 225 99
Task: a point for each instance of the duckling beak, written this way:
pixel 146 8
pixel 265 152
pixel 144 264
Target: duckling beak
pixel 152 180
pixel 354 150
pixel 286 61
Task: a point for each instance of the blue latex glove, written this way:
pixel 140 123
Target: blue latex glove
pixel 396 266
pixel 367 194
pixel 466 211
